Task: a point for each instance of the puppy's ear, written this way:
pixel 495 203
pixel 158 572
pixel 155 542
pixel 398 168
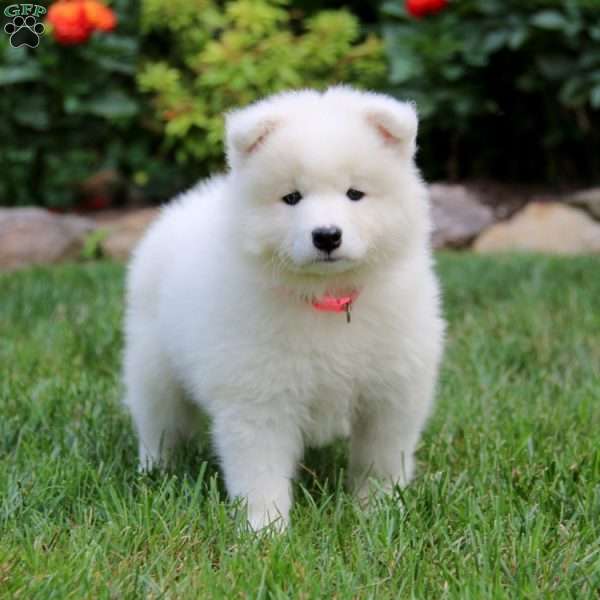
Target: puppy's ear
pixel 246 130
pixel 395 122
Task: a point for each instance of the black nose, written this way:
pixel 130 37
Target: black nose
pixel 327 238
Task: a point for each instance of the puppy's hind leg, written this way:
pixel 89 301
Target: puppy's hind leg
pixel 161 415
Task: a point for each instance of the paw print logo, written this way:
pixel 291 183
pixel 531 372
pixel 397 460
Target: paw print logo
pixel 24 31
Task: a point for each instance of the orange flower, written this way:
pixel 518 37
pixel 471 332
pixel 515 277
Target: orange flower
pixel 73 21
pixel 100 16
pixel 69 22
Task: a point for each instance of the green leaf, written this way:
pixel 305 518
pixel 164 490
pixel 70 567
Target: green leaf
pixel 92 244
pixel 403 67
pixel 114 53
pixel 113 104
pixel 494 40
pixel 393 8
pixel 453 72
pixel 18 74
pixel 572 93
pixel 31 112
pixel 404 62
pixel 555 66
pixel 595 97
pixel 550 19
pixel 71 104
pixel 594 33
pixel 517 38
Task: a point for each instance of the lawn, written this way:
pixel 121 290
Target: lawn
pixel 506 503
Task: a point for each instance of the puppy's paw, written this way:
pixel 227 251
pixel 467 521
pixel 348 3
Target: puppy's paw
pixel 149 461
pixel 372 491
pixel 267 521
pixel 267 516
pixel 148 466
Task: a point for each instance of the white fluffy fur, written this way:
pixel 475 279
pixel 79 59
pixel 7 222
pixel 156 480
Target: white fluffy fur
pixel 219 314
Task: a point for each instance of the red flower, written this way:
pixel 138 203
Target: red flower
pixel 421 8
pixel 73 21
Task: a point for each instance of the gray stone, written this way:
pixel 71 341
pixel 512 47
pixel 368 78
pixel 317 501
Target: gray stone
pixel 589 200
pixel 31 236
pixel 124 232
pixel 458 216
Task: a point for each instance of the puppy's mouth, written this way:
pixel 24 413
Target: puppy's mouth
pixel 324 265
pixel 328 259
pixel 320 264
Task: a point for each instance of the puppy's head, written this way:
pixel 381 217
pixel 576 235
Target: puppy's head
pixel 325 182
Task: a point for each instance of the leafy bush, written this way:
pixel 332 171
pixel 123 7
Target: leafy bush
pixel 67 112
pixel 70 111
pixel 505 88
pixel 219 58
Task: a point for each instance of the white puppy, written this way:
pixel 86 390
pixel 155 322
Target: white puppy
pixel 293 299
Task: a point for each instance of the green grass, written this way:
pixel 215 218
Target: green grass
pixel 506 504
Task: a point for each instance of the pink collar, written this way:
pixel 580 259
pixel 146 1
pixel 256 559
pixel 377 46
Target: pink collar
pixel 329 303
pixel 336 304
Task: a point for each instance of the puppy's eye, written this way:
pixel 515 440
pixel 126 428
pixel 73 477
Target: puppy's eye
pixel 354 195
pixel 292 198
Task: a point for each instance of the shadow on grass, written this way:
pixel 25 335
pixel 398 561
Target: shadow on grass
pixel 320 472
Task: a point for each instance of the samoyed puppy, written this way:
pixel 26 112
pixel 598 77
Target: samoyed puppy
pixel 292 299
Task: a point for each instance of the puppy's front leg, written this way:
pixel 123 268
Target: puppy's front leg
pixel 384 436
pixel 259 455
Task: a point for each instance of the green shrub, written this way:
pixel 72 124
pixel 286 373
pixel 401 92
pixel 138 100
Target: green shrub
pixel 505 88
pixel 219 58
pixel 67 111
